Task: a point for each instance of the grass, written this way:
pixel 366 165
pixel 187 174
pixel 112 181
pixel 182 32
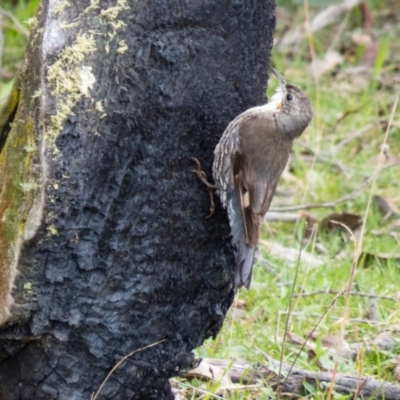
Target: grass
pixel 343 104
pixel 13 38
pixel 358 93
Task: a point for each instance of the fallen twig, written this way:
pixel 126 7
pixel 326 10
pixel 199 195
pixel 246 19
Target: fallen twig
pixel 332 204
pixel 352 136
pixel 334 318
pixel 353 293
pixel 361 386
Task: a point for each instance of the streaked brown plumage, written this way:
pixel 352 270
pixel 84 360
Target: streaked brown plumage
pixel 248 163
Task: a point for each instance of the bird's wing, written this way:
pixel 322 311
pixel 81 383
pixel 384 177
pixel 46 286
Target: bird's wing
pixel 222 166
pixel 255 195
pixel 255 177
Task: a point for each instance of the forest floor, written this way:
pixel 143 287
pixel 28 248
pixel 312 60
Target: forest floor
pixel 325 294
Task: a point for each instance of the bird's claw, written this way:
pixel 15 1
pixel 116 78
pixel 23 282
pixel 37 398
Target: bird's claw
pixel 210 187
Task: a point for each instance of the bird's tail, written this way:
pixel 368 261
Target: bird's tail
pixel 244 264
pixel 244 253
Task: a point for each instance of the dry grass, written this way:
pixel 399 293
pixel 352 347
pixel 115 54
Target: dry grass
pixel 351 152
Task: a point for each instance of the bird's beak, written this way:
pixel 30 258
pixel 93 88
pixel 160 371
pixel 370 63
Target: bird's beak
pixel 282 82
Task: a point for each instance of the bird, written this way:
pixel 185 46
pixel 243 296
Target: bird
pixel 248 163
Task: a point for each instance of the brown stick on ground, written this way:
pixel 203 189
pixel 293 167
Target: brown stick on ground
pixel 292 379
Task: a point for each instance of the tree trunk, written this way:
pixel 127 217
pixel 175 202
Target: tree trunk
pixel 103 241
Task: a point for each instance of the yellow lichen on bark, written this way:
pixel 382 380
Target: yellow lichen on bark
pixel 66 78
pixel 20 195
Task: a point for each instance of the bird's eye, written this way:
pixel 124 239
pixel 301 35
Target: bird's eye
pixel 289 97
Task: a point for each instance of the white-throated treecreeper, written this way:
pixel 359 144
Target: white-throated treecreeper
pixel 248 163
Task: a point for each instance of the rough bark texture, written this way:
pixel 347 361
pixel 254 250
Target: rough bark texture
pixel 111 249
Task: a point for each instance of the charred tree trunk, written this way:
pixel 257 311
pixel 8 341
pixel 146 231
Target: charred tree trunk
pixel 104 246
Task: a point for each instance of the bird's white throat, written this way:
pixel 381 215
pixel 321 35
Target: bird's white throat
pixel 275 104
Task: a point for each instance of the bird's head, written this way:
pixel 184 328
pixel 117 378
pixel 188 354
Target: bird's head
pixel 292 105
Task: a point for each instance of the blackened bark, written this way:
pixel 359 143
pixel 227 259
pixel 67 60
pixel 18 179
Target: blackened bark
pixel 116 253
